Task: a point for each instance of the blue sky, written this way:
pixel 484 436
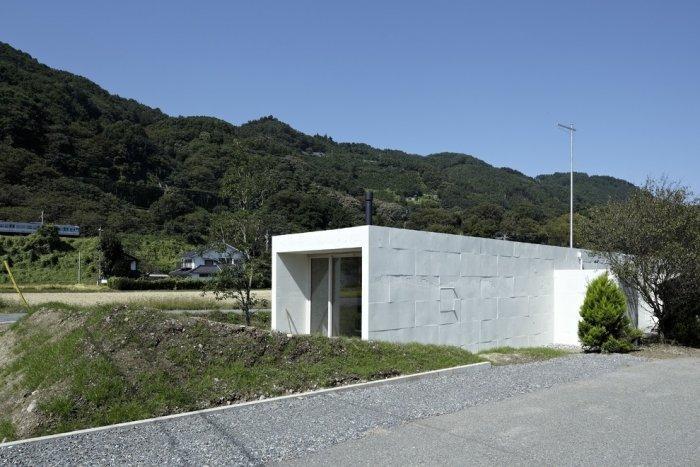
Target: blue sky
pixel 489 79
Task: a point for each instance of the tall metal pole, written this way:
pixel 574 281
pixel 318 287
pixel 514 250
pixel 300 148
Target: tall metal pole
pixel 570 128
pixel 571 187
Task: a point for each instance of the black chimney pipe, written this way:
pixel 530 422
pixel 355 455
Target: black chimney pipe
pixel 368 207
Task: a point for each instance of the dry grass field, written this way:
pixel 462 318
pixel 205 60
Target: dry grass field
pixel 184 299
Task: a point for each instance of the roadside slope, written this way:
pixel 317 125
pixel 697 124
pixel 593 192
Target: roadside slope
pixel 293 427
pixel 65 368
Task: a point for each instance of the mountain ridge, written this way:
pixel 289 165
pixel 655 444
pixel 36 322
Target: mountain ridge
pixel 89 157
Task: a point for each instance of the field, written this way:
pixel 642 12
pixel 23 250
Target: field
pixel 161 299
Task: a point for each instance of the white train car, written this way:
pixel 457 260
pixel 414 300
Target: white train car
pixel 28 228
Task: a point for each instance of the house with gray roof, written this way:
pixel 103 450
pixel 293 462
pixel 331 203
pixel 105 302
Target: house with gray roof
pixel 203 264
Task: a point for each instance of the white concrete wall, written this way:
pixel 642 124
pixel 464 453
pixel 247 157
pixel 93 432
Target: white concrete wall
pixel 441 289
pixel 645 317
pixel 290 293
pixel 464 291
pixel 569 292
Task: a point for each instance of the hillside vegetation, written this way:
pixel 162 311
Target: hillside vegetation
pixel 60 266
pixel 87 157
pixel 65 368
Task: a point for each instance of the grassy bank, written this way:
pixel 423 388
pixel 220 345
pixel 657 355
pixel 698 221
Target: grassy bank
pixel 84 367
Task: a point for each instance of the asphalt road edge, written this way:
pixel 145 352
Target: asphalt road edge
pixel 462 369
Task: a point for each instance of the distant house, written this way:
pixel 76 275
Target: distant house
pixel 133 263
pixel 133 272
pixel 206 263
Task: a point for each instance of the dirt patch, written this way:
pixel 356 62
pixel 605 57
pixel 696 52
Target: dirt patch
pixel 515 356
pixel 508 358
pixel 7 347
pixel 664 351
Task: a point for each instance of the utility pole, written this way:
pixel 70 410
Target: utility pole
pixel 99 258
pixel 78 266
pixel 570 128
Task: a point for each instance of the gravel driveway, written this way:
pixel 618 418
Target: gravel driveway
pixel 295 427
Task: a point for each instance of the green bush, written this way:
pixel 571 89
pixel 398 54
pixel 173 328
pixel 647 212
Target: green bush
pixel 127 283
pixel 605 326
pixel 681 317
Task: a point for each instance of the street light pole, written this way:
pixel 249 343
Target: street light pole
pixel 570 128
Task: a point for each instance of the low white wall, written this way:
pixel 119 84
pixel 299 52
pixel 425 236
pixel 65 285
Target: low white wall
pixel 290 293
pixel 645 317
pixel 569 291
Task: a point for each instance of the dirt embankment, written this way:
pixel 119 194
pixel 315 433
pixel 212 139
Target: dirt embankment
pixel 19 402
pixel 66 369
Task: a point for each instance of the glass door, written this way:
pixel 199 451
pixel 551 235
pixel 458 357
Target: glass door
pixel 346 316
pixel 336 296
pixel 320 296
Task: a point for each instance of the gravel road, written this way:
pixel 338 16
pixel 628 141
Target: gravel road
pixel 628 417
pixel 6 318
pixel 297 427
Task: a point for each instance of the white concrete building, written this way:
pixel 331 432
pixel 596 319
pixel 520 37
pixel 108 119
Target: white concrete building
pixel 409 286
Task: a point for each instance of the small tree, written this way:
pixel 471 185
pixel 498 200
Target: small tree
pixel 237 282
pixel 249 232
pixel 112 262
pixel 605 325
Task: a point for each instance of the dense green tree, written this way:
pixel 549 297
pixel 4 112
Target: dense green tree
pixel 170 206
pixel 604 324
pixel 45 241
pixel 650 241
pixel 483 220
pixel 112 256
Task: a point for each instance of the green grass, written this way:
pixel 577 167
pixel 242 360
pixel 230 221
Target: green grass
pixel 105 365
pixel 260 319
pixel 7 430
pixel 180 304
pixel 83 287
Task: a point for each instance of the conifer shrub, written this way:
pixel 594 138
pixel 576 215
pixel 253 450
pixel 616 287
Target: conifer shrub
pixel 605 325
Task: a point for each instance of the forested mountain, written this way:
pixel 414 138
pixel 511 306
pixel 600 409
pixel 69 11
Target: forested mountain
pixel 87 157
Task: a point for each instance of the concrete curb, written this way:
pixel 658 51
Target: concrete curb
pixel 455 370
